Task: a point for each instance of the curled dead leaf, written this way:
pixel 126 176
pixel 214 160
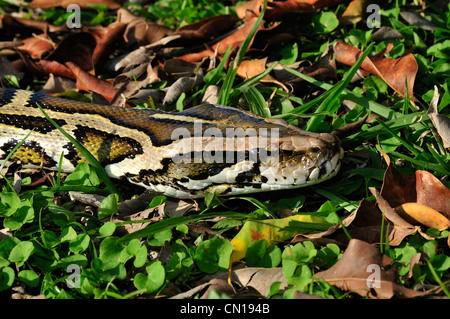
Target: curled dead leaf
pixel 424 215
pixel 388 211
pixel 49 67
pixel 143 32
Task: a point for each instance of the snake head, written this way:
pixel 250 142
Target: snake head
pixel 301 159
pixel 241 157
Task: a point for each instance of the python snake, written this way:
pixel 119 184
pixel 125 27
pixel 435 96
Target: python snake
pixel 205 148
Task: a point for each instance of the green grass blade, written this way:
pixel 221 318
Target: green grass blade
pixel 397 124
pixel 328 102
pixel 349 95
pixel 425 165
pixel 227 86
pixel 256 101
pixel 14 150
pixel 437 278
pixel 414 149
pixel 213 77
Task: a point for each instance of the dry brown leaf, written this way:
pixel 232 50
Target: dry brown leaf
pixel 16 25
pixel 89 83
pixel 400 228
pixel 234 40
pixel 180 86
pixel 324 69
pixel 393 71
pixel 250 68
pixel 386 33
pixel 255 278
pixel 7 68
pixel 220 286
pixel 423 215
pixel 414 18
pixel 388 211
pixel 37 46
pixel 48 67
pixel 397 188
pixel 366 224
pixel 77 48
pixel 361 270
pixel 142 32
pixel 57 84
pixel 211 94
pixel 176 68
pixel 139 31
pixel 209 28
pixel 432 193
pixel 107 39
pixel 354 13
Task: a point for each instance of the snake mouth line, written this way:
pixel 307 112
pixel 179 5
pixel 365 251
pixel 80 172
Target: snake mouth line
pixel 257 178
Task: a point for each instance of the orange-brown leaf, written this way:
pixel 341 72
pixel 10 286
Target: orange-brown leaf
pixel 234 40
pixel 77 48
pixel 432 193
pixel 250 68
pixel 397 188
pixel 393 71
pixel 424 215
pixel 37 47
pixel 88 82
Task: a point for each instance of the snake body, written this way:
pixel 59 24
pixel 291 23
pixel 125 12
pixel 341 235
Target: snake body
pixel 209 147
